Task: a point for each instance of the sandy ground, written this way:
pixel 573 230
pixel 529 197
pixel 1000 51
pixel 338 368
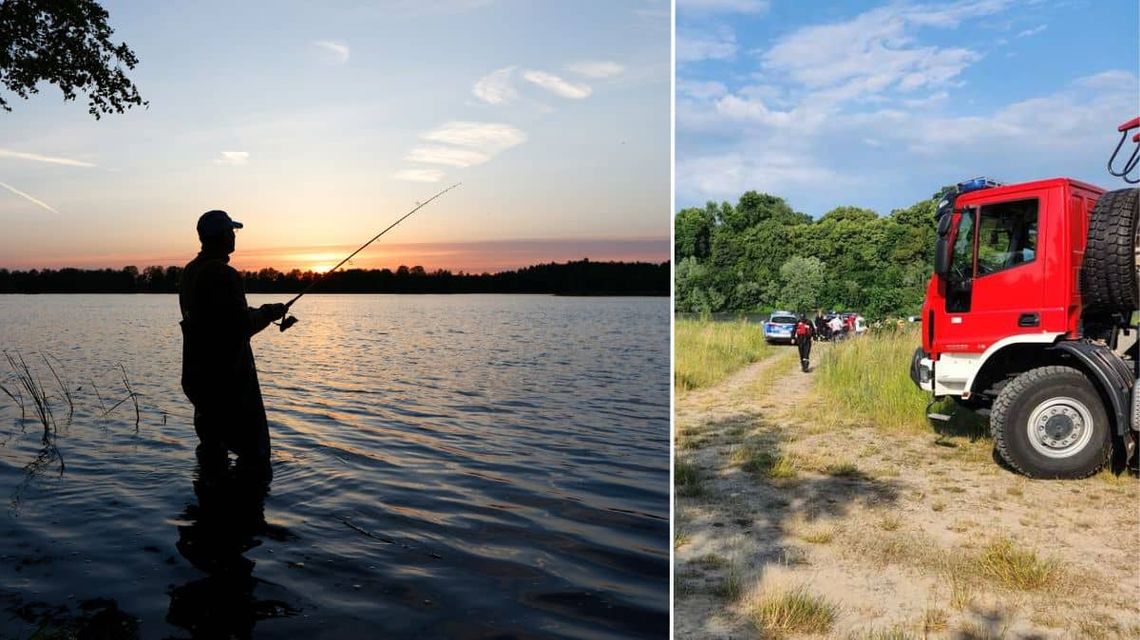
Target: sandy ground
pixel 887 527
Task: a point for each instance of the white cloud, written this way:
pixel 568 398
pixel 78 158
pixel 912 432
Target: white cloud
pixel 28 197
pixel 337 52
pixel 1034 31
pixel 725 6
pixel 596 68
pixel 872 52
pixel 736 107
pixel 730 173
pixel 556 85
pixel 1068 119
pixel 451 156
pixel 233 158
pixel 459 144
pixel 495 87
pixel 35 157
pixel 694 45
pixel 932 100
pixel 491 137
pixel 419 175
pixel 702 90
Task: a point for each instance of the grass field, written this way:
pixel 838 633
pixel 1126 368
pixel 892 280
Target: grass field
pixel 825 504
pixel 869 377
pixel 708 351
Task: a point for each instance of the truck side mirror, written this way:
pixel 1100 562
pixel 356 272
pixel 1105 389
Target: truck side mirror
pixel 941 256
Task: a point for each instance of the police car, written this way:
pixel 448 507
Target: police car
pixel 780 327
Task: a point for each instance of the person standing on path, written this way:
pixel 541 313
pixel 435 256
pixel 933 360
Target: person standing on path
pixel 803 333
pixel 218 372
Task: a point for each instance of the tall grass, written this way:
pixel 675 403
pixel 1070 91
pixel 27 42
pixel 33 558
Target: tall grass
pixel 706 351
pixel 869 377
pixel 793 611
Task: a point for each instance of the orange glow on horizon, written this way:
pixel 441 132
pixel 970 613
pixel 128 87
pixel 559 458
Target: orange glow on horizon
pixel 467 257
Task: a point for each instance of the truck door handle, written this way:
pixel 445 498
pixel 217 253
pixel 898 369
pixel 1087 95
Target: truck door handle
pixel 1029 320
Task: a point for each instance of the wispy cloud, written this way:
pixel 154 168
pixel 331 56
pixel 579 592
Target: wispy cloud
pixel 495 87
pixel 722 6
pixel 35 157
pixel 875 51
pixel 459 144
pixel 556 85
pixel 333 51
pixel 596 68
pixel 419 175
pixel 694 45
pixel 233 158
pixel 30 198
pixel 1034 31
pixel 491 137
pixel 451 156
pixel 732 172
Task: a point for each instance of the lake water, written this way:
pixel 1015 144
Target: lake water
pixel 444 466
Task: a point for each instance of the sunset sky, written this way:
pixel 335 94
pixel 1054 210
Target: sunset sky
pixel 318 124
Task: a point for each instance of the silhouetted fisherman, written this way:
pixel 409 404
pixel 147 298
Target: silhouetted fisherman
pixel 218 372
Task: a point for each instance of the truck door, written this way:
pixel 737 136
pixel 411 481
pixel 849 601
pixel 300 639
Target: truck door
pixel 1008 283
pixel 952 332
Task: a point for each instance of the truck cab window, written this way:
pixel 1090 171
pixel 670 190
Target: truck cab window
pixel 959 279
pixel 962 259
pixel 1007 235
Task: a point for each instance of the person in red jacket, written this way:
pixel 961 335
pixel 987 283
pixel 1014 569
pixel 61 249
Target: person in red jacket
pixel 803 333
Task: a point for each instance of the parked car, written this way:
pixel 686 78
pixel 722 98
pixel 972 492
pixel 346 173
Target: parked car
pixel 780 327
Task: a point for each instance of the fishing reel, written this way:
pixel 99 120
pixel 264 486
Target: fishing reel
pixel 286 322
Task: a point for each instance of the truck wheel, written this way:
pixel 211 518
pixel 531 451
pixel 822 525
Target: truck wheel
pixel 1050 422
pixel 1108 275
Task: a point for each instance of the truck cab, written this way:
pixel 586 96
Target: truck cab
pixel 1006 299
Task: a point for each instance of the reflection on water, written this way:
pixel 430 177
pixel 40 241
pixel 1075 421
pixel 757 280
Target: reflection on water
pixel 444 466
pixel 227 520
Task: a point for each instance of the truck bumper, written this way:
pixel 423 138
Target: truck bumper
pixel 922 370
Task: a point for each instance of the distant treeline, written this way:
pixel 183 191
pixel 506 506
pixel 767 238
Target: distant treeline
pixel 760 254
pixel 572 278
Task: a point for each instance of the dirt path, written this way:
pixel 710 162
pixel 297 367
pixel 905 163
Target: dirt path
pixel 897 535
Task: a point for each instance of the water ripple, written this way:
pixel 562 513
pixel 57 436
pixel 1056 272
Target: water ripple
pixel 445 466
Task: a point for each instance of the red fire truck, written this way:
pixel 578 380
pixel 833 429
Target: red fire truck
pixel 1029 318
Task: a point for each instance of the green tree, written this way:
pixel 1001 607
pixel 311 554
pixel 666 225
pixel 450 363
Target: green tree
pixel 803 279
pixel 66 43
pixel 693 230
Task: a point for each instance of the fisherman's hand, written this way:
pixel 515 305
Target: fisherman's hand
pixel 273 311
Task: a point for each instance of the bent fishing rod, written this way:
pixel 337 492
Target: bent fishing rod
pixel 289 321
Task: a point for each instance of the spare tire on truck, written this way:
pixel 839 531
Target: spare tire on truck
pixel 1108 275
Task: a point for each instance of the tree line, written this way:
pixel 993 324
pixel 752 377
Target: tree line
pixel 581 277
pixel 760 254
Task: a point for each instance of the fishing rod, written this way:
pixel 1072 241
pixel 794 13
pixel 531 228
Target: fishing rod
pixel 289 321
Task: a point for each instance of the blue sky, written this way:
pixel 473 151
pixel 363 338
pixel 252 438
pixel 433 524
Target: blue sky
pixel 316 124
pixel 878 104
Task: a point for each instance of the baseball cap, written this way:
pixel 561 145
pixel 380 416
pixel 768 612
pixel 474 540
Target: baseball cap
pixel 215 223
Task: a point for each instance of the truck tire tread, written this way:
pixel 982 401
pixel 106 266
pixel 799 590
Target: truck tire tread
pixel 1108 275
pixel 999 414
